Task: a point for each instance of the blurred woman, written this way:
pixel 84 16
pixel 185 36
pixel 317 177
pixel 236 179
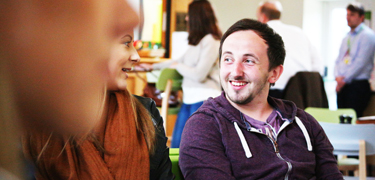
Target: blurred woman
pixel 198 65
pixel 52 67
pixel 129 143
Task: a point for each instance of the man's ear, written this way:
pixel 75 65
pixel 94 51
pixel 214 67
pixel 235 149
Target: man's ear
pixel 262 18
pixel 363 18
pixel 275 73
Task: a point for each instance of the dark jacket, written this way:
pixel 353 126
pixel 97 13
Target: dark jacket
pixel 211 147
pixel 306 89
pixel 160 164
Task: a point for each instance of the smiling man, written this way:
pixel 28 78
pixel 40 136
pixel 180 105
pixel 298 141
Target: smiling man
pixel 244 133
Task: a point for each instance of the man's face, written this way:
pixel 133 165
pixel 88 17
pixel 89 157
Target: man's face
pixel 244 67
pixel 354 19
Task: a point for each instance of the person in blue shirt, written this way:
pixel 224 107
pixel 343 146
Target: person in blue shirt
pixel 355 62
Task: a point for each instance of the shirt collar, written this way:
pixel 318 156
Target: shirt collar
pixel 274 115
pixel 357 29
pixel 275 21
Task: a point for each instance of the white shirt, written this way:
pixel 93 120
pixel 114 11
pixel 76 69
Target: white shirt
pixel 301 55
pixel 199 69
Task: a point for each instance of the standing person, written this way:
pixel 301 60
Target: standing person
pixel 52 67
pixel 301 55
pixel 247 134
pixel 355 62
pixel 198 65
pixel 129 143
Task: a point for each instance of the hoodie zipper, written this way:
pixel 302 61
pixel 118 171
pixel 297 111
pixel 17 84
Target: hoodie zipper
pixel 276 148
pixel 278 153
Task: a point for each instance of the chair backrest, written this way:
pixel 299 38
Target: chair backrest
pixel 306 89
pixel 165 75
pixel 169 80
pixel 174 155
pixel 345 137
pixel 331 116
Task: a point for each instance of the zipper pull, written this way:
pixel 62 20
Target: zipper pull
pixel 276 147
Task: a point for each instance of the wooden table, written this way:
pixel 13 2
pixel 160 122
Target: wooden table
pixel 366 120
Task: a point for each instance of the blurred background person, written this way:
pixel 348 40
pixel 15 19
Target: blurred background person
pixel 52 67
pixel 198 65
pixel 355 62
pixel 129 143
pixel 301 55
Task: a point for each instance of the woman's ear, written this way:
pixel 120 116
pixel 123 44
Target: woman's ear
pixel 275 73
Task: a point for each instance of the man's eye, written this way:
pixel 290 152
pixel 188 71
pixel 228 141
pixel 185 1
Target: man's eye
pixel 249 61
pixel 227 59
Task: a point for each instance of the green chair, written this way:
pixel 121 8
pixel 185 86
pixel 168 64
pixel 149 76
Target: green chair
pixel 331 116
pixel 169 80
pixel 173 155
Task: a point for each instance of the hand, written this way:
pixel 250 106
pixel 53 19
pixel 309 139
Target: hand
pixel 340 83
pixel 143 67
pixel 173 65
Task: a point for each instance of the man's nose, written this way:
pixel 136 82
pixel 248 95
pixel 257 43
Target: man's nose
pixel 237 69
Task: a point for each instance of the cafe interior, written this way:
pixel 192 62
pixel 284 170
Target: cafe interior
pixel 162 35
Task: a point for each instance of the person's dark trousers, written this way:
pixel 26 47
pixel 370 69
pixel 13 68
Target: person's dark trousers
pixel 355 95
pixel 276 93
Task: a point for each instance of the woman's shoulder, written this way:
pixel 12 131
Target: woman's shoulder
pixel 150 105
pixel 147 102
pixel 209 40
pixel 209 37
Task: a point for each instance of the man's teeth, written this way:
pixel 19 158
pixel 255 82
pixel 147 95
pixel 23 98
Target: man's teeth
pixel 125 70
pixel 238 83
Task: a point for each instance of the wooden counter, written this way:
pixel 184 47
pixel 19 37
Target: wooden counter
pixel 153 60
pixel 137 80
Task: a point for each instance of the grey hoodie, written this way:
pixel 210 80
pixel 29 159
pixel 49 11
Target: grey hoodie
pixel 218 144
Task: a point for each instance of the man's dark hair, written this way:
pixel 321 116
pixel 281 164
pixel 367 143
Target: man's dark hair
pixel 275 50
pixel 270 13
pixel 356 7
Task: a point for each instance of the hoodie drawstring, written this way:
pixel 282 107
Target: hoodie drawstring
pixel 304 131
pixel 243 141
pixel 246 146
